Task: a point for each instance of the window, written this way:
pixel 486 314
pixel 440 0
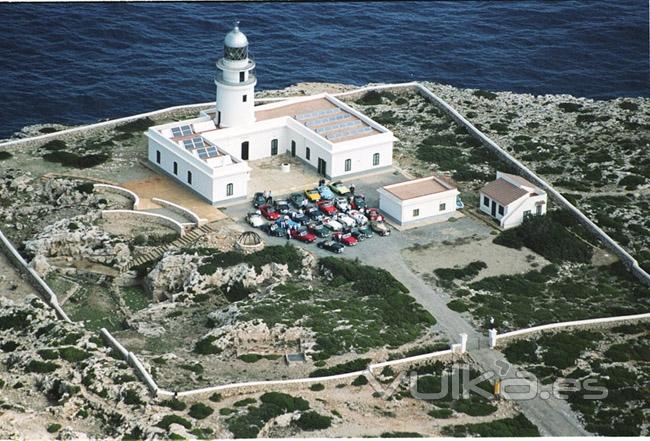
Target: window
pixel 442 207
pixel 307 153
pixel 486 201
pixel 501 210
pixel 157 156
pixel 244 150
pixel 175 167
pixel 189 177
pixel 526 214
pixel 242 77
pixel 416 212
pixel 218 118
pixel 348 165
pixel 375 159
pixel 244 98
pixel 274 147
pixel 229 190
pixel 538 210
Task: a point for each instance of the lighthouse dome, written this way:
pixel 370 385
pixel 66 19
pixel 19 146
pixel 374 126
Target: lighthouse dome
pixel 236 38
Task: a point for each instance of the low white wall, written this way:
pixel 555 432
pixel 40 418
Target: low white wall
pixel 151 217
pixel 135 199
pixel 189 214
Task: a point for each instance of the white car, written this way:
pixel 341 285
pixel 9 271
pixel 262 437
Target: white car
pixel 255 219
pixel 342 203
pixel 358 217
pixel 346 220
pixel 332 224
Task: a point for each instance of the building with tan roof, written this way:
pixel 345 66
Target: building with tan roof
pixel 418 200
pixel 209 154
pixel 510 199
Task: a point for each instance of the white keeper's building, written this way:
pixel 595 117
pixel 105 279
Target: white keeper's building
pixel 209 154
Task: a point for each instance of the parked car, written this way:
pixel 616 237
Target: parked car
pixel 357 234
pixel 332 224
pixel 325 192
pixel 326 207
pixel 380 228
pixel 330 245
pixel 303 235
pixel 358 202
pixel 374 215
pixel 346 239
pixel 298 200
pixel 259 199
pixel 299 217
pixel 274 230
pixel 314 214
pixel 312 195
pixel 365 230
pixel 282 205
pixel 255 219
pixel 341 203
pixel 269 212
pixel 286 222
pixel 346 220
pixel 338 188
pixel 358 217
pixel 319 230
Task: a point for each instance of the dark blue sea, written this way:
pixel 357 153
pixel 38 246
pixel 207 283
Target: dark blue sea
pixel 78 63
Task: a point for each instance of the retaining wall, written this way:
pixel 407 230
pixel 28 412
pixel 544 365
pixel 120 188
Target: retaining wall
pixel 195 219
pixel 144 216
pixel 524 171
pixel 121 191
pixel 32 276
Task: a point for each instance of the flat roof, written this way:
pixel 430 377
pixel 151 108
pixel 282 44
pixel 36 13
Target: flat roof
pixel 418 188
pixel 503 191
pixel 323 117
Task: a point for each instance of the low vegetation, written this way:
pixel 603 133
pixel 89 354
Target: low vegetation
pixel 518 426
pixel 74 160
pixel 287 255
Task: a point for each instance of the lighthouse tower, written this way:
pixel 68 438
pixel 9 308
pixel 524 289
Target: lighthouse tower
pixel 235 81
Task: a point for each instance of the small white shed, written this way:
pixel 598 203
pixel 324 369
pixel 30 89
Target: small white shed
pixel 510 198
pixel 417 200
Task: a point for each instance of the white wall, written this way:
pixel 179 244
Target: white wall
pixel 429 205
pixel 235 112
pixel 515 215
pixel 239 182
pixel 361 158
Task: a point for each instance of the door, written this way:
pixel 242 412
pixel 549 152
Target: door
pixel 274 147
pixel 322 166
pixel 494 209
pixel 244 150
pixel 293 148
pixel 218 118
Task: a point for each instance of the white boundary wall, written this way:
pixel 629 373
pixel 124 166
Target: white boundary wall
pixel 121 191
pixel 195 219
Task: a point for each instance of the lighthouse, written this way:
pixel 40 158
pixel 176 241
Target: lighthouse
pixel 235 81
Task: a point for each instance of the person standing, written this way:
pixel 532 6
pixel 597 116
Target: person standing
pixel 351 188
pixel 269 198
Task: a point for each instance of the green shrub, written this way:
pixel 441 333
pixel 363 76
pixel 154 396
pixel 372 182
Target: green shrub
pixel 245 402
pixel 485 94
pixel 205 346
pixel 401 435
pixel 317 387
pixel 226 411
pixel 131 397
pixel 41 367
pixel 458 306
pixel 203 433
pixel 86 188
pixel 630 182
pixel 311 420
pixel 73 354
pixel 284 401
pixel 53 428
pixel 174 404
pixel 69 159
pixel 139 125
pixel 440 413
pixel 54 145
pixel 48 354
pixel 237 292
pixel 5 155
pixel 570 107
pixel 628 105
pixel 168 420
pixel 370 98
pixel 215 397
pixel 351 366
pixel 200 411
pixel 361 380
pixel 467 272
pixel 518 426
pixel 197 368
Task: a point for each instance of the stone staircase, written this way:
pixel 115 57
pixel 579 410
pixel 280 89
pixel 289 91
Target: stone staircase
pixel 181 242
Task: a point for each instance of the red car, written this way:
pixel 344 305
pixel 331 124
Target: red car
pixel 303 236
pixel 269 212
pixel 373 214
pixel 345 238
pixel 326 207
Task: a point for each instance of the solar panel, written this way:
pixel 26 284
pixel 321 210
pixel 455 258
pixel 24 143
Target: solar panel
pixel 194 143
pixel 316 113
pixel 181 131
pixel 336 117
pixel 212 152
pixel 342 125
pixel 203 154
pixel 349 133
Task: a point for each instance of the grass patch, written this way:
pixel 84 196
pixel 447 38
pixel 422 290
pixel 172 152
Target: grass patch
pixel 518 426
pixel 200 411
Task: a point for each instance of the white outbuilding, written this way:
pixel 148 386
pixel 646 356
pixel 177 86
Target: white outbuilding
pixel 209 154
pixel 418 200
pixel 510 199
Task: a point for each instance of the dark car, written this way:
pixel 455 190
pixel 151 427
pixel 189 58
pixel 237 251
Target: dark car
pixel 259 199
pixel 319 230
pixel 314 214
pixel 282 205
pixel 298 200
pixel 299 217
pixel 357 234
pixel 366 230
pixel 332 246
pixel 274 230
pixel 358 202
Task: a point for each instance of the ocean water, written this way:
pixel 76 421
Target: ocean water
pixel 78 63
